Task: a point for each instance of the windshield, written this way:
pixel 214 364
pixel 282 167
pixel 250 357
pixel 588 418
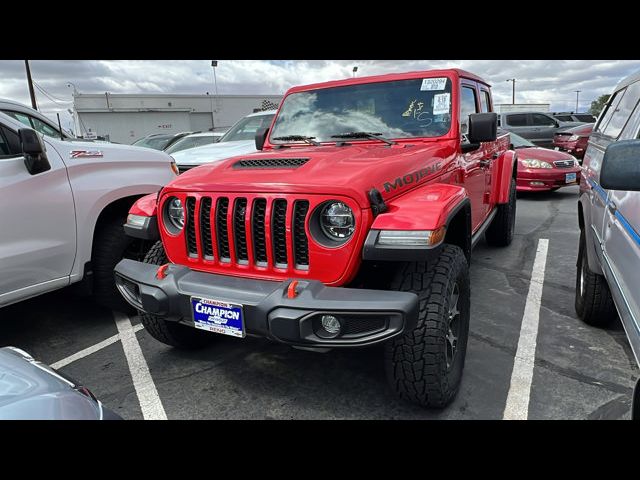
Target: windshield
pixel 157 142
pixel 398 109
pixel 246 128
pixel 191 142
pixel 518 142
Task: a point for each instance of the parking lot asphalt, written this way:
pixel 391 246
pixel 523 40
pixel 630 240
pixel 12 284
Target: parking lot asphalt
pixel 580 372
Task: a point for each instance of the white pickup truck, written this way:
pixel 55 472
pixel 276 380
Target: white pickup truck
pixel 62 206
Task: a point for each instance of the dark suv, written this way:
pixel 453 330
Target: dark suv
pixel 537 127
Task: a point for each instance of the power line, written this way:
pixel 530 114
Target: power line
pixel 49 96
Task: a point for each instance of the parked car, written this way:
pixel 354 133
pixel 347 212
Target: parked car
pixel 239 140
pixel 348 229
pixel 62 205
pixel 573 140
pixel 608 266
pixel 160 141
pixel 32 390
pixel 574 117
pixel 33 119
pixel 537 127
pixel 193 140
pixel 541 169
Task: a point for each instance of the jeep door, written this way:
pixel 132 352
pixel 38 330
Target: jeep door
pixel 37 214
pixel 621 227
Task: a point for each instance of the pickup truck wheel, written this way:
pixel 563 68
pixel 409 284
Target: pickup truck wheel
pixel 111 244
pixel 424 365
pixel 594 304
pixel 170 332
pixel 500 232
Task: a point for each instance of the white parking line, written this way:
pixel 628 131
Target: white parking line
pixel 148 398
pixel 517 407
pixel 92 349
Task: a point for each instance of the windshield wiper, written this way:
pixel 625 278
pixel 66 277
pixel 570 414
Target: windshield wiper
pixel 298 138
pixel 374 136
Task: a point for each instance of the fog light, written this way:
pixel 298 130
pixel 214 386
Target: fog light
pixel 331 324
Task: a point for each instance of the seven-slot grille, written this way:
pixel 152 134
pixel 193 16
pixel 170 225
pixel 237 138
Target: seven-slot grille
pixel 247 230
pixel 564 163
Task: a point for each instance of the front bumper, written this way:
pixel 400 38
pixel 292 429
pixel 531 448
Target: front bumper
pixel 541 179
pixel 367 316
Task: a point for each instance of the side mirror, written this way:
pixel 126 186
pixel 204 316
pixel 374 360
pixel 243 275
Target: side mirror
pixel 261 136
pixel 35 157
pixel 619 169
pixel 483 127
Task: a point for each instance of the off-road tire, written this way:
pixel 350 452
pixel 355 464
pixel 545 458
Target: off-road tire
pixel 171 332
pixel 416 362
pixel 500 232
pixel 109 246
pixel 594 304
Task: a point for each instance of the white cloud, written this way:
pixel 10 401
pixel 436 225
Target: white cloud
pixel 537 81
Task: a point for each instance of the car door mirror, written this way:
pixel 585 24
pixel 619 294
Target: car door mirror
pixel 483 127
pixel 35 156
pixel 261 136
pixel 619 170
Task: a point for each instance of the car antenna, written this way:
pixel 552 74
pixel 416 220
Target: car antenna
pixel 60 126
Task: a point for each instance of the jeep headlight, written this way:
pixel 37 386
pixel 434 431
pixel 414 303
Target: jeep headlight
pixel 174 215
pixel 337 220
pixel 534 163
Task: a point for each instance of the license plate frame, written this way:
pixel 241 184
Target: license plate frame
pixel 221 317
pixel 570 178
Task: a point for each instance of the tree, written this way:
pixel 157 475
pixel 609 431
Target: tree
pixel 598 104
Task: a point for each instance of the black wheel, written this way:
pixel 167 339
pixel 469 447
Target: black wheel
pixel 500 232
pixel 110 245
pixel 425 365
pixel 171 332
pixel 594 304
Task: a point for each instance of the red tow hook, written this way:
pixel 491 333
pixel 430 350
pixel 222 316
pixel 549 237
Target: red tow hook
pixel 291 290
pixel 162 271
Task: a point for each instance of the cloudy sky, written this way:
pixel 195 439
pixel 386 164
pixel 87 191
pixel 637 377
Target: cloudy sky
pixel 537 81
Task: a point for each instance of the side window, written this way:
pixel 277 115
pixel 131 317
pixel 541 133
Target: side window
pixel 564 118
pixel 621 113
pixel 485 101
pixel 517 120
pixel 539 120
pixel 21 117
pixel 606 116
pixel 43 128
pixel 468 105
pixel 9 143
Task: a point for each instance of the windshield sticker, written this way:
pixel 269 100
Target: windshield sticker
pixel 414 110
pixel 441 103
pixel 433 84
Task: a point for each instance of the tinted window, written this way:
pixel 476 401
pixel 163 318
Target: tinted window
pixel 44 129
pixel 4 145
pixel 585 118
pixel 468 105
pixel 517 120
pixel 21 117
pixel 622 111
pixel 539 120
pixel 612 104
pixel 484 101
pixel 564 118
pixel 9 142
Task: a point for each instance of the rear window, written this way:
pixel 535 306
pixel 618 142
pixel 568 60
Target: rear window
pixel 586 118
pixel 517 120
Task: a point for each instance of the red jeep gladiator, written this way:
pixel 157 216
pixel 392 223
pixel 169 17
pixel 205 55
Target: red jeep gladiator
pixel 353 226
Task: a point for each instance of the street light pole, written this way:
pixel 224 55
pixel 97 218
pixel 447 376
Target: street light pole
pixel 513 92
pixel 214 64
pixel 577 97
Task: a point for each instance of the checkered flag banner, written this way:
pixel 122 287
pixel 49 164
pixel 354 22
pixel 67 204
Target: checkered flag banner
pixel 269 105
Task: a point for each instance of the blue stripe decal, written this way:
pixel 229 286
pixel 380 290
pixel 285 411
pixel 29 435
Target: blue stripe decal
pixel 627 226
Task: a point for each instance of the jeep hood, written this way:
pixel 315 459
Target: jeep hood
pixel 213 152
pixel 352 170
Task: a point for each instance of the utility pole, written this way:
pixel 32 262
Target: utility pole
pixel 577 97
pixel 513 93
pixel 30 82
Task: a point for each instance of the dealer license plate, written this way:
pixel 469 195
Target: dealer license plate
pixel 570 178
pixel 217 316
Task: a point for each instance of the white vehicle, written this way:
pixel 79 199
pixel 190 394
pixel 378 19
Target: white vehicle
pixel 239 140
pixel 194 140
pixel 62 207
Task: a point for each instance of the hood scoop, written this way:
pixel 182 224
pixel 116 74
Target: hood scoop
pixel 270 163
